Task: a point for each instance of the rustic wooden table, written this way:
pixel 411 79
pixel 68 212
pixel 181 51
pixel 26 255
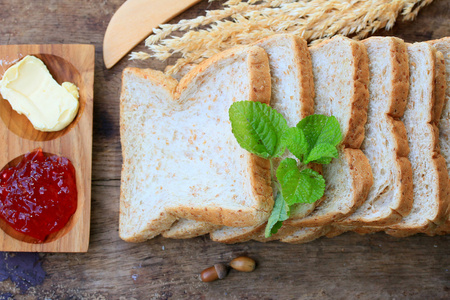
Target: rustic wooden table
pixel 346 267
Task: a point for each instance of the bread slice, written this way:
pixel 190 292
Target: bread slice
pixel 292 96
pixel 172 168
pixel 430 176
pixel 386 144
pixel 341 78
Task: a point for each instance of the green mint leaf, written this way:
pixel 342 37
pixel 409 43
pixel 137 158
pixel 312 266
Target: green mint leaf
pixel 321 129
pixel 297 186
pixel 295 141
pixel 322 133
pixel 258 128
pixel 279 214
pixel 324 160
pixel 286 165
pixel 322 152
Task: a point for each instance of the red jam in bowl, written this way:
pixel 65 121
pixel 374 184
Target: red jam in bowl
pixel 39 195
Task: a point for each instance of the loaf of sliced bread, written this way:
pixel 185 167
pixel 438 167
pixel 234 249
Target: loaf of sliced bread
pixel 385 144
pixel 172 168
pixel 411 190
pixel 421 117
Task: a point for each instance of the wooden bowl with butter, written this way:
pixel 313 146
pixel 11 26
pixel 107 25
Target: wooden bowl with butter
pixel 62 71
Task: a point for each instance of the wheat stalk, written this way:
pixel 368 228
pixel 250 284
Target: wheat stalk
pixel 244 22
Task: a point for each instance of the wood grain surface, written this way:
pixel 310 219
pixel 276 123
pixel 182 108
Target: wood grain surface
pixel 346 267
pixel 72 63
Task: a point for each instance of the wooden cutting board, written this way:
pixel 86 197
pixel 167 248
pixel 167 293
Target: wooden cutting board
pixel 73 63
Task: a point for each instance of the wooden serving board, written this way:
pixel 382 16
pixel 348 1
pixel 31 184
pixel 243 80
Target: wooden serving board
pixel 73 63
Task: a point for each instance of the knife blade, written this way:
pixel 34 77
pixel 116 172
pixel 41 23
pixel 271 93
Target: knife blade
pixel 134 21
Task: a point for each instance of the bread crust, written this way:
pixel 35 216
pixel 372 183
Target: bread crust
pixel 443 45
pixel 441 86
pixel 335 230
pixel 361 97
pixel 283 232
pixel 259 169
pixel 303 62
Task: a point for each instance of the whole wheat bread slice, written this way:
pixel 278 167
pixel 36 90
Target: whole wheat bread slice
pixel 421 117
pixel 172 168
pixel 385 144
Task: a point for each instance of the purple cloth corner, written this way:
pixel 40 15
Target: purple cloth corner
pixel 6 296
pixel 24 269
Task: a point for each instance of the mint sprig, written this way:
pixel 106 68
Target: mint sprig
pixel 263 131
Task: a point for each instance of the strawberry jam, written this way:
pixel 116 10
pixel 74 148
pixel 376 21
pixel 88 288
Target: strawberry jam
pixel 39 195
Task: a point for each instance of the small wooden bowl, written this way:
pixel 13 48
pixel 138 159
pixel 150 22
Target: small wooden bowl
pixel 52 237
pixel 61 70
pixel 73 63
